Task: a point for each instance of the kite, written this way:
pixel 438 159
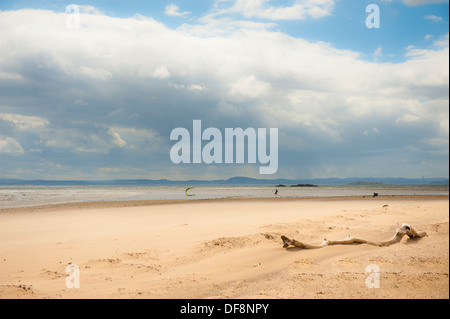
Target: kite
pixel 187 190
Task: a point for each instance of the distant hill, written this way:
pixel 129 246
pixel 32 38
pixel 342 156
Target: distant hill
pixel 237 181
pixel 365 183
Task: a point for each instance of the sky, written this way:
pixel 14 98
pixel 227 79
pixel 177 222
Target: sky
pixel 96 94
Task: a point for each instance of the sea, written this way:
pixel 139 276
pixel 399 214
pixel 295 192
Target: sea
pixel 33 195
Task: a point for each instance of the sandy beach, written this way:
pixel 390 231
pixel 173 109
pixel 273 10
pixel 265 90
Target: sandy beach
pixel 224 248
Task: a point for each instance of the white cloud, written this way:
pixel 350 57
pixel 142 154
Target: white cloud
pixel 177 86
pixel 161 73
pixel 173 10
pixel 214 24
pixel 442 42
pixel 196 88
pixel 250 86
pixel 23 122
pixel 89 9
pixel 300 10
pixel 95 73
pixel 117 140
pixel 408 118
pixel 10 76
pixel 10 145
pixel 422 2
pixel 377 54
pixel 434 18
pixel 413 51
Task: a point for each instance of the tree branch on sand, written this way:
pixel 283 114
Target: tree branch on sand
pixel 402 231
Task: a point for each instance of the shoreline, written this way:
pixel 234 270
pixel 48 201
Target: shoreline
pixel 140 203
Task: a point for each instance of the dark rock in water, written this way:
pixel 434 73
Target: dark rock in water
pixel 304 185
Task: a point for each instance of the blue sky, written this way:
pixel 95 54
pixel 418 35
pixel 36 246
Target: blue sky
pixel 100 101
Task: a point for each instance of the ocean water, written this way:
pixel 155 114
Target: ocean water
pixel 23 196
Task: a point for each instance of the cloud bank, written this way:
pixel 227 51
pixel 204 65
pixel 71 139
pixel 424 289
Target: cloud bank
pixel 100 101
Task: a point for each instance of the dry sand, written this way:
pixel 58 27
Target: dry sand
pixel 224 249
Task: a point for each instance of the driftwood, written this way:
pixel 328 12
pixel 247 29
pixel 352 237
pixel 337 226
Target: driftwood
pixel 402 231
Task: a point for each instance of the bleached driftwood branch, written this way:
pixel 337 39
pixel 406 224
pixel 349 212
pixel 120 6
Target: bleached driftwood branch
pixel 402 231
